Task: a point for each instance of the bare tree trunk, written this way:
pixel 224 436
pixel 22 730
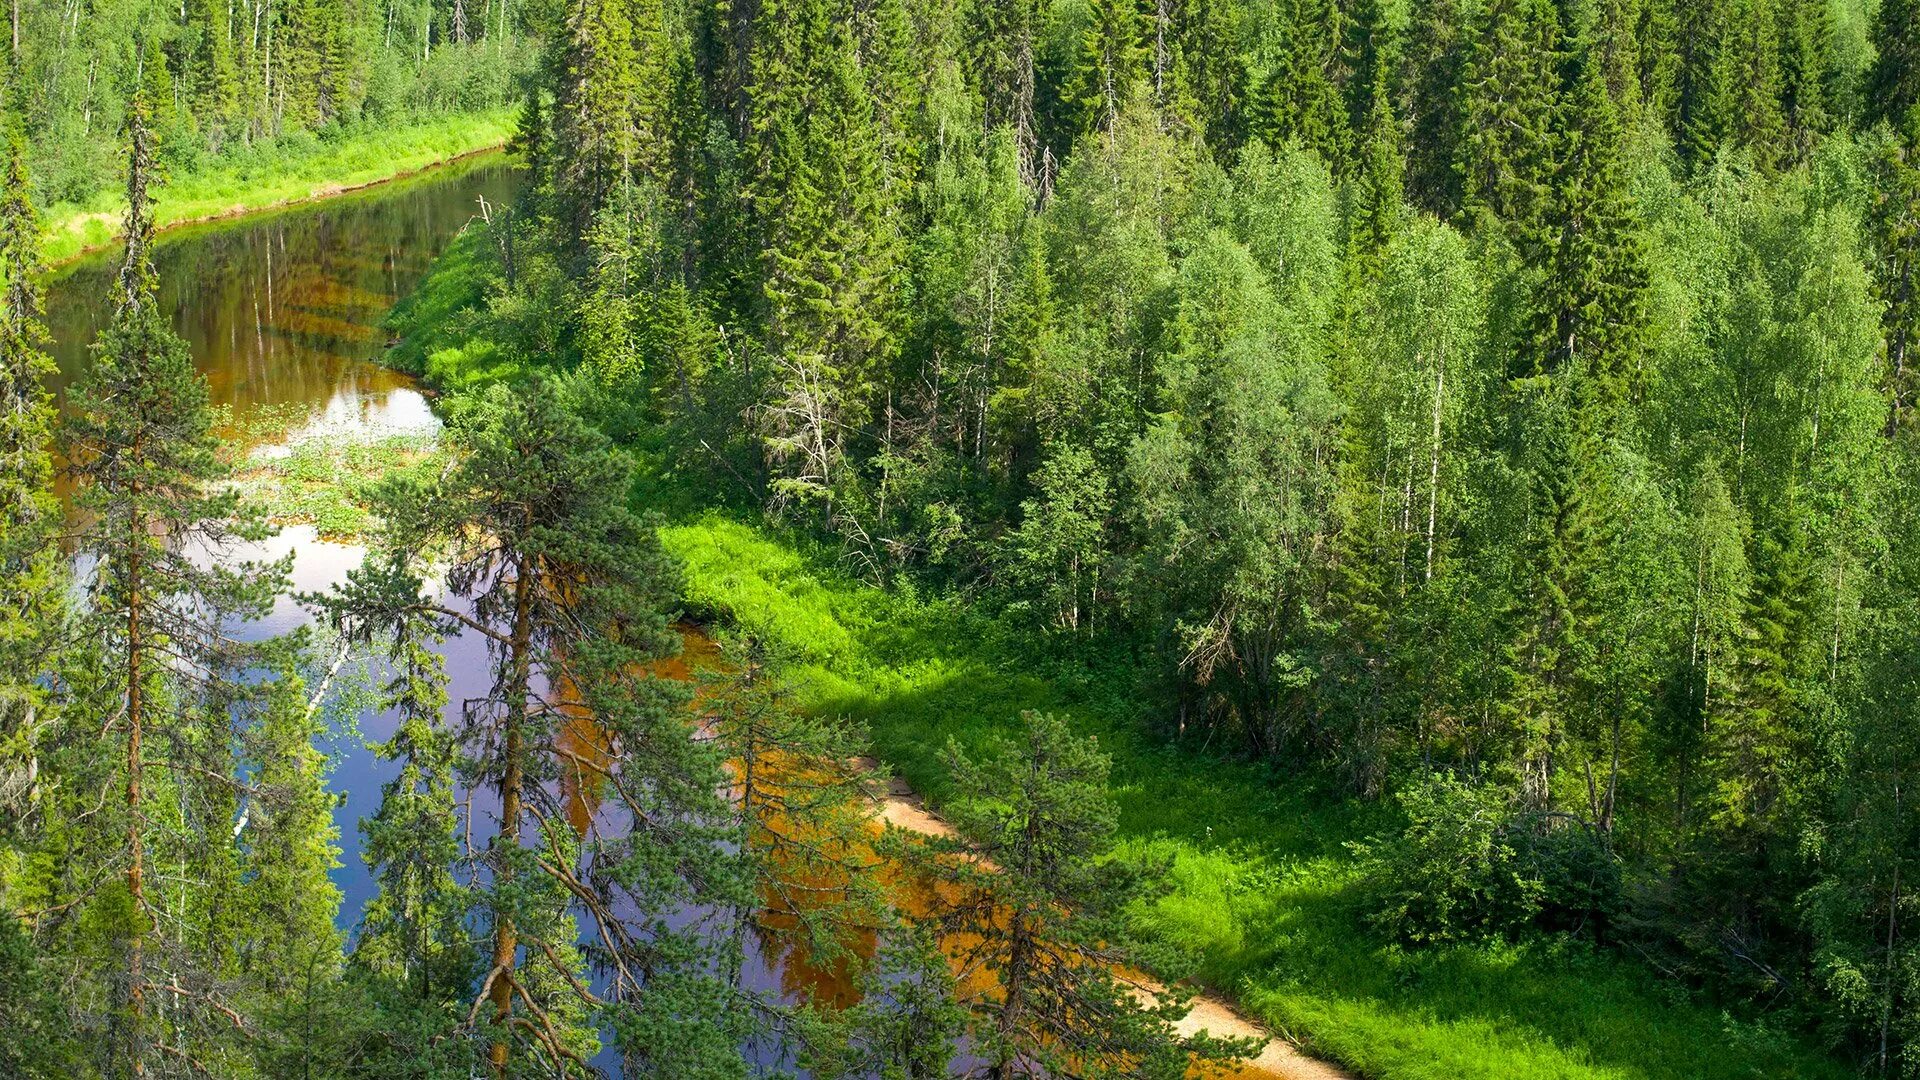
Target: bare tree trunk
pixel 505 939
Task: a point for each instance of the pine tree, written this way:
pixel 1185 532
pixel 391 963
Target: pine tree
pixel 571 593
pixel 1027 897
pixel 144 460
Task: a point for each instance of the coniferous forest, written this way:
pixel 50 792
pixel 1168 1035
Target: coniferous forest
pixel 1307 489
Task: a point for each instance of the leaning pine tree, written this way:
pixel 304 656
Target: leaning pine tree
pixel 1028 906
pixel 610 812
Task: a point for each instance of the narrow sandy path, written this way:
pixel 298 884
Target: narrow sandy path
pixel 1280 1060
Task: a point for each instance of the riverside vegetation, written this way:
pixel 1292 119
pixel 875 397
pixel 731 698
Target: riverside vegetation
pixel 1402 512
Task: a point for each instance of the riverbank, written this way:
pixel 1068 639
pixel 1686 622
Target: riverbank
pixel 286 173
pixel 1264 889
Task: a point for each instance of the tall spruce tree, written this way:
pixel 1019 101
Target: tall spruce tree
pixel 1700 92
pixel 1893 226
pixel 1893 84
pixel 1511 88
pixel 1589 303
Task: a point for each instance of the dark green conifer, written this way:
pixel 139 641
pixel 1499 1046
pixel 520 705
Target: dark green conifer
pixel 1807 73
pixel 1893 84
pixel 1111 64
pixel 1700 91
pixel 1298 100
pixel 1590 300
pixel 1511 90
pixel 1893 226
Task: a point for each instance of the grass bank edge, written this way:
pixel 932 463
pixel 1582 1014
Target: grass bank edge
pixel 286 173
pixel 1264 888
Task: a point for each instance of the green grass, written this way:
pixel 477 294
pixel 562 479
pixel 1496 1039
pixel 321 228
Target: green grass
pixel 1264 889
pixel 433 321
pixel 292 170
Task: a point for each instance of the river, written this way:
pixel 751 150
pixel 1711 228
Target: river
pixel 282 312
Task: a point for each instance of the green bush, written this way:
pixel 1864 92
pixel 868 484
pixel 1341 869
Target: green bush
pixel 1466 864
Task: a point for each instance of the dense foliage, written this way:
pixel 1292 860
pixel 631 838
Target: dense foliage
pixel 1505 404
pixel 246 82
pixel 1499 412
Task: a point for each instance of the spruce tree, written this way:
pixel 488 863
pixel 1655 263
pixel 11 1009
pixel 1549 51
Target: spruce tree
pixel 1589 304
pixel 609 107
pixel 1298 100
pixel 1511 89
pixel 1893 226
pixel 1701 93
pixel 1893 84
pixel 1429 80
pixel 1806 73
pixel 826 206
pixel 1001 47
pixel 412 930
pixel 1751 51
pixel 1110 65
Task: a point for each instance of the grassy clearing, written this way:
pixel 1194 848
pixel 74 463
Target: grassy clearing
pixel 291 170
pixel 1264 889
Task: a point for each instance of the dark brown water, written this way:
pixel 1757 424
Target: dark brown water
pixel 282 312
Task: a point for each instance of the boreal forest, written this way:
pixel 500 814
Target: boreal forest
pixel 921 539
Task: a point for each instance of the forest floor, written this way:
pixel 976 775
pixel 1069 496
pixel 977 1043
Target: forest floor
pixel 280 174
pixel 1263 888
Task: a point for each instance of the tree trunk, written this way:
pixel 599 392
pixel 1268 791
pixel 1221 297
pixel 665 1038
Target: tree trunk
pixel 505 940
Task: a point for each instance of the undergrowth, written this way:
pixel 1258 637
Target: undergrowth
pixel 1265 893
